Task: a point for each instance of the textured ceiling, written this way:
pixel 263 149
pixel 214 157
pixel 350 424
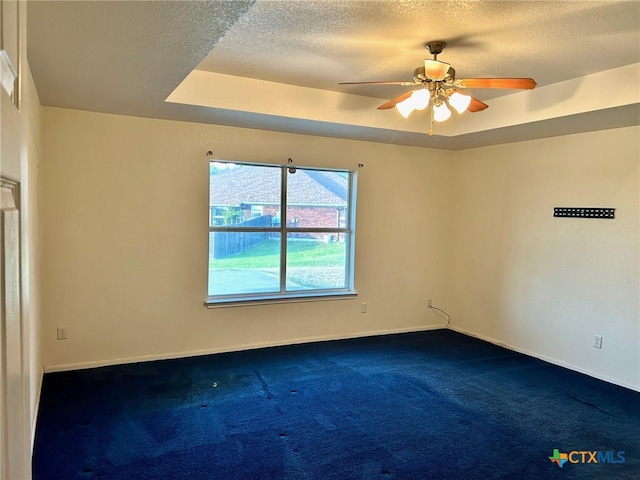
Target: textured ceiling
pixel 276 64
pixel 319 43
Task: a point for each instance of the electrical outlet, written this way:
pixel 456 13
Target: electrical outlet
pixel 363 307
pixel 597 341
pixel 62 333
pixel 429 303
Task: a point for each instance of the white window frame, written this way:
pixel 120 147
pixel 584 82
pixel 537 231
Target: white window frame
pixel 283 296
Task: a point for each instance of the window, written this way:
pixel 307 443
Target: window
pixel 279 232
pixel 257 211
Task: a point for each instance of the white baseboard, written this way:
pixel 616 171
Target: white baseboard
pixel 323 338
pixel 551 360
pixel 234 348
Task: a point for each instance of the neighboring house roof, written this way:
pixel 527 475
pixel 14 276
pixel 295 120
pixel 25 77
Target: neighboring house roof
pixel 259 186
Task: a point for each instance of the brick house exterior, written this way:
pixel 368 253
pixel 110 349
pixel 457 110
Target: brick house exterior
pixel 315 198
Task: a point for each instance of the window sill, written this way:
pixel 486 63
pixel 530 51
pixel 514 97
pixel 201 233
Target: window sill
pixel 272 299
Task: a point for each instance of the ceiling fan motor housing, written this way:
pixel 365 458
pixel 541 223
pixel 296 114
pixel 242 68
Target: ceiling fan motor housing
pixel 420 77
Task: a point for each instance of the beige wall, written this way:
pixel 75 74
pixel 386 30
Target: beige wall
pixel 124 208
pixel 124 223
pixel 546 285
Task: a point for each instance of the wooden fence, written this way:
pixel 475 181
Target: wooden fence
pixel 235 242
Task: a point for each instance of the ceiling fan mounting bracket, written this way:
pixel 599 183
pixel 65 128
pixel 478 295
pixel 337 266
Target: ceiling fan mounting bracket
pixel 435 47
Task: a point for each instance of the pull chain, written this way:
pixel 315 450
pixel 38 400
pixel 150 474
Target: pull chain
pixel 431 114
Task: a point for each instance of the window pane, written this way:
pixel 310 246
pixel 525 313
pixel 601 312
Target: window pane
pixel 244 262
pixel 317 199
pixel 316 261
pixel 244 195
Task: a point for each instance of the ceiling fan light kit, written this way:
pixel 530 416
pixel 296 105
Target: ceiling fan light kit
pixel 405 107
pixel 440 89
pixel 440 111
pixel 418 100
pixel 459 101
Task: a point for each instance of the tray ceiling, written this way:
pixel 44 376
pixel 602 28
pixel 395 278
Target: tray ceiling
pixel 276 65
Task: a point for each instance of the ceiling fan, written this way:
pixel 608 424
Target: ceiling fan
pixel 440 88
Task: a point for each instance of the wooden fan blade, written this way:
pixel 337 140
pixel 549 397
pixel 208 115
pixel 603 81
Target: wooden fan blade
pixel 519 83
pixel 377 83
pixel 476 105
pixel 392 103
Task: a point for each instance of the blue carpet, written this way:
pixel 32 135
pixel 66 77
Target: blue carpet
pixel 430 405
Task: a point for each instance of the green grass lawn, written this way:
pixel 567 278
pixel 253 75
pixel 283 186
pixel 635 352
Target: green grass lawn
pixel 299 253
